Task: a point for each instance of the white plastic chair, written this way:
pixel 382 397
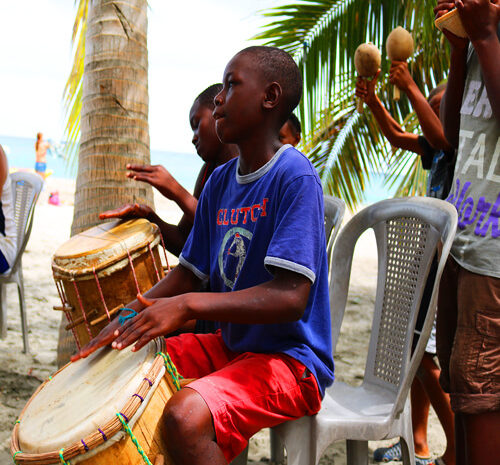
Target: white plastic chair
pixel 334 214
pixel 407 232
pixel 26 188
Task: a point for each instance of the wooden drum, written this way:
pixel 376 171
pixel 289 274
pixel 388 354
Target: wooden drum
pixel 102 269
pixel 98 410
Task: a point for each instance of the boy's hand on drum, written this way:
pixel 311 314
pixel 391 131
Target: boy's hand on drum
pixel 109 333
pixel 157 176
pixel 129 211
pixel 162 316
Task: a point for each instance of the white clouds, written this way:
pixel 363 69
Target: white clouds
pixel 189 44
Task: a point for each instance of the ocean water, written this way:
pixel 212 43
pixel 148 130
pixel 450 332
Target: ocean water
pixel 21 154
pixel 183 166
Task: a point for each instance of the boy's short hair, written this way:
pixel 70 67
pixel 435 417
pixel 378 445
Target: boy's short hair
pixel 437 90
pixel 206 98
pixel 295 123
pixel 278 65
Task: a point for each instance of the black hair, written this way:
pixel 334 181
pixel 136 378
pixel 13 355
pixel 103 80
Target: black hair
pixel 295 123
pixel 278 65
pixel 436 90
pixel 206 98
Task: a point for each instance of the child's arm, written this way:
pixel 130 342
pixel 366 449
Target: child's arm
pixel 452 98
pixel 429 121
pixel 161 179
pixel 283 299
pixel 480 20
pixel 365 89
pixel 178 281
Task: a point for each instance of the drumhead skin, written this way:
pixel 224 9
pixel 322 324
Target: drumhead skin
pixel 103 245
pixel 82 397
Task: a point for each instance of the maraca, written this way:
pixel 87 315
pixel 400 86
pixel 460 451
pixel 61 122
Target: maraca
pixel 367 62
pixel 399 46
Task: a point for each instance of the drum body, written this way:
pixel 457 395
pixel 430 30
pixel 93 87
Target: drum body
pixel 102 269
pixel 74 414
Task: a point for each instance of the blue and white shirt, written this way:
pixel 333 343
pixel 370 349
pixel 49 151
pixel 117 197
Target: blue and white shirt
pixel 247 224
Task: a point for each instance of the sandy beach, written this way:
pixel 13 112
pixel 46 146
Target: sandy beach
pixel 20 374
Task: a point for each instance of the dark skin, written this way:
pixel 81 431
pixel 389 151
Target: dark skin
pixel 249 113
pixel 210 149
pixel 427 112
pixel 480 20
pixel 476 434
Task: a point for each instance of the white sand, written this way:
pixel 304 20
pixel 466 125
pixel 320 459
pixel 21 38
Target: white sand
pixel 20 374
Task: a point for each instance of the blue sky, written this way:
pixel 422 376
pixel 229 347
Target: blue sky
pixel 189 44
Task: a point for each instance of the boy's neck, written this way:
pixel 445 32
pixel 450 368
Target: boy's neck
pixel 256 152
pixel 229 152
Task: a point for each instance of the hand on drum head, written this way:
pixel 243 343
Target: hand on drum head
pixel 161 316
pixel 109 333
pixel 129 211
pixel 157 176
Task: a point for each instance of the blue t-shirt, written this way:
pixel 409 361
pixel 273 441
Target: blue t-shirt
pixel 246 225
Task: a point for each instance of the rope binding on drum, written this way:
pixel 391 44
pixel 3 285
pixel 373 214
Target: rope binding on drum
pixel 62 458
pixel 14 456
pixel 127 429
pixel 172 370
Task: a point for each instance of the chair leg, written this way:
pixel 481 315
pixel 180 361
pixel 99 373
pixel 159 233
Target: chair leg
pixel 3 311
pixel 357 452
pixel 22 307
pixel 277 449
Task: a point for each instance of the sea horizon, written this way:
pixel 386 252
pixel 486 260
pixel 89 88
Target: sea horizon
pixel 184 167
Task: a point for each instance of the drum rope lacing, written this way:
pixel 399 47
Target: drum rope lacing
pixel 172 370
pixel 126 427
pixel 61 456
pixel 101 294
pixel 164 251
pixel 65 303
pixel 83 310
pixel 154 262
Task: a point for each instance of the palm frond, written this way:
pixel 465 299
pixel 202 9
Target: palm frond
pixel 322 36
pixel 72 95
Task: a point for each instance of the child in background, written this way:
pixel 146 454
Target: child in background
pixel 468 320
pixel 272 359
pixel 41 147
pixel 431 147
pixel 211 150
pixel 290 131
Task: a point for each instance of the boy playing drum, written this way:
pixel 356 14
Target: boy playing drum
pixel 259 237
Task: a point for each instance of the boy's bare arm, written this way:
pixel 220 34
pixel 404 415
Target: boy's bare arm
pixel 429 121
pixel 167 185
pixel 283 299
pixel 365 89
pixel 178 281
pixel 480 19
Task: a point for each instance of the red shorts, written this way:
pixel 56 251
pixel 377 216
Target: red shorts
pixel 245 392
pixel 468 339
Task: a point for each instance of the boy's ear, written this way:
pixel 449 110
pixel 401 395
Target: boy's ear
pixel 272 95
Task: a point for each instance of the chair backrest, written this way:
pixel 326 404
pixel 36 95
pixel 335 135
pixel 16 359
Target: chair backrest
pixel 407 233
pixel 334 214
pixel 26 188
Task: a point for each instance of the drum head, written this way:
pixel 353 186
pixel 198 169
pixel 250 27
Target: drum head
pixel 104 244
pixel 82 397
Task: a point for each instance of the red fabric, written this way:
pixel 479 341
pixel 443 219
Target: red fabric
pixel 244 391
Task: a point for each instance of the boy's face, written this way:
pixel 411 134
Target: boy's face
pixel 288 134
pixel 208 146
pixel 238 106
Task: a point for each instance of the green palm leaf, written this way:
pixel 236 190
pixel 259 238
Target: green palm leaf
pixel 322 36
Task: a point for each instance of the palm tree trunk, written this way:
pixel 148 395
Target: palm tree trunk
pixel 114 114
